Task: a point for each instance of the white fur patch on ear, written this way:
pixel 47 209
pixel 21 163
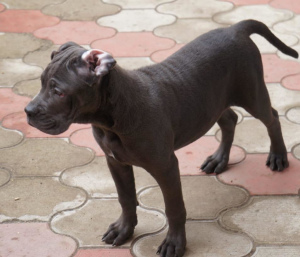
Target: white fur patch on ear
pixel 101 62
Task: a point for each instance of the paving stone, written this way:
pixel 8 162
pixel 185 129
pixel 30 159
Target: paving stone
pixel 275 69
pixel 289 27
pixel 11 43
pixel 161 55
pixel 88 223
pixel 81 10
pixel 18 120
pixel 204 239
pixel 249 2
pixel 267 48
pixel 194 8
pixel 84 137
pixel 292 82
pixel 80 32
pixel 35 198
pixel 265 219
pixel 135 4
pixel 103 253
pixel 258 179
pixel 11 102
pixel 192 156
pixel 43 157
pixel 28 88
pixel 132 63
pixel 204 196
pixel 296 152
pixel 257 140
pixel 2 7
pixel 34 239
pixel 32 4
pixel 263 13
pixel 134 44
pixel 292 5
pixel 40 57
pixel 25 20
pixel 185 30
pixel 4 176
pixel 293 114
pixel 277 251
pixel 14 70
pixel 136 20
pixel 95 178
pixel 9 138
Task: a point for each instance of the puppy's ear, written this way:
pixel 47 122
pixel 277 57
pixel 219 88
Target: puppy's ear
pixel 99 61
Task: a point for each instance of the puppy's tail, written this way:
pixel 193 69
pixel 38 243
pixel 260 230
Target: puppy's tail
pixel 253 26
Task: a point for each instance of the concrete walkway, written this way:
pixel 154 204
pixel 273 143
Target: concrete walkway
pixel 56 194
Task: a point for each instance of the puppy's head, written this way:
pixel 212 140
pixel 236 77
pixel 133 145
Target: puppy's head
pixel 70 88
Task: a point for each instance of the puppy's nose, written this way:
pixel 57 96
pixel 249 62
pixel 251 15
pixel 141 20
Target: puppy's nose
pixel 31 110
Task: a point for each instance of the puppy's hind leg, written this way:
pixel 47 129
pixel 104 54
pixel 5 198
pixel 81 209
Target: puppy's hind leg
pixel 217 162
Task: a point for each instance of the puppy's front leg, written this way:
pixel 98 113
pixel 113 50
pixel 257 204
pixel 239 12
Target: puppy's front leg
pixel 119 231
pixel 168 179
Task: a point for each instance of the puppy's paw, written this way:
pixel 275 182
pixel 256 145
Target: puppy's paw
pixel 215 163
pixel 119 231
pixel 277 162
pixel 173 245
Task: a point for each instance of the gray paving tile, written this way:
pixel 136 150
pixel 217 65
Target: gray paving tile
pixel 4 176
pixel 28 88
pixel 136 4
pixel 296 151
pixel 204 197
pixel 293 114
pixel 277 251
pixel 32 4
pixel 9 138
pixel 90 222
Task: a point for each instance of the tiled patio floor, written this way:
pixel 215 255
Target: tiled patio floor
pixel 56 194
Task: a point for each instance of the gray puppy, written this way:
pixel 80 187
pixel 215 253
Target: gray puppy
pixel 141 117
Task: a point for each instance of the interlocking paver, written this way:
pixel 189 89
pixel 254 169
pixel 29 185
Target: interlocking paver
pixel 134 44
pixel 249 2
pixel 192 156
pixel 13 49
pixel 293 114
pixel 204 239
pixel 257 140
pixel 136 20
pixel 296 152
pixel 81 32
pixel 264 13
pixel 32 4
pixel 132 63
pixel 32 198
pixel 80 10
pixel 267 219
pixel 185 30
pixel 18 120
pixel 4 176
pixel 25 20
pixel 9 99
pixel 292 5
pixel 292 82
pixel 95 178
pixel 34 239
pixel 90 222
pixel 9 138
pixel 258 179
pixel 194 8
pixel 15 70
pixel 277 251
pixel 28 88
pixel 204 197
pixel 136 4
pixel 289 27
pixel 103 253
pixel 43 157
pixel 2 7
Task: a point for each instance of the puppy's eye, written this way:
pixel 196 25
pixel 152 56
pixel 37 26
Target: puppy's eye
pixel 58 92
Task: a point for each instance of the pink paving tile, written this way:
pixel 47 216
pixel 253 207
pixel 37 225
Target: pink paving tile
pixel 23 21
pixel 275 69
pixel 133 44
pixel 84 137
pixel 11 102
pixel 248 2
pixel 81 32
pixel 192 156
pixel 2 7
pixel 292 5
pixel 18 121
pixel 292 82
pixel 33 239
pixel 103 253
pixel 163 54
pixel 258 179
